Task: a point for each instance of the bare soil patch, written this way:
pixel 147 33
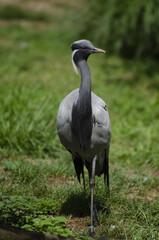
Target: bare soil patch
pixel 52 7
pixel 78 223
pixel 148 196
pixel 60 180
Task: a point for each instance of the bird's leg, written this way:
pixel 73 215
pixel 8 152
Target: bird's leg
pixel 92 184
pixel 96 216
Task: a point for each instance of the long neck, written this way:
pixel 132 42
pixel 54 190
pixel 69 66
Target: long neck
pixel 85 88
pixel 82 110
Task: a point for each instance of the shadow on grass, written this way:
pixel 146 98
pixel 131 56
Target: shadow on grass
pixel 78 205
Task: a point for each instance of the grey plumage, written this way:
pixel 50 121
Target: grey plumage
pixel 83 123
pixel 100 138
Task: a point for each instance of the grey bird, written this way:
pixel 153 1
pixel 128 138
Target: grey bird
pixel 83 124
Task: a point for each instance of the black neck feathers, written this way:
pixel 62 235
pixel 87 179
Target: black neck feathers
pixel 82 109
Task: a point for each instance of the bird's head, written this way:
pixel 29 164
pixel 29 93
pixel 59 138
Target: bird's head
pixel 81 50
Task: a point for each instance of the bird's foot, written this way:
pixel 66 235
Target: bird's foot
pixel 91 232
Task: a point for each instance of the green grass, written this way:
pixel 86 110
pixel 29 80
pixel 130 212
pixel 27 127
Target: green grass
pixel 37 174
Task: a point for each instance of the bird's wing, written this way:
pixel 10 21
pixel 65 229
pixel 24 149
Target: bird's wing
pixel 101 133
pixel 64 118
pixel 65 109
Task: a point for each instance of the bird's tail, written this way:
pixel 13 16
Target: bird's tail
pixel 79 167
pixel 106 167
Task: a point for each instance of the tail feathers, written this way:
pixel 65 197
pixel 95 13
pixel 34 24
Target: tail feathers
pixel 106 167
pixel 79 167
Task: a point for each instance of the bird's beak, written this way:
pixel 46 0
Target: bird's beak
pixel 98 50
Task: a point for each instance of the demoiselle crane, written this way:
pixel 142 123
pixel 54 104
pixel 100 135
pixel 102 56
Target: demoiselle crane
pixel 83 124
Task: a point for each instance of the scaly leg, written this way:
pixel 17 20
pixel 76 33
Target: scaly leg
pixel 92 184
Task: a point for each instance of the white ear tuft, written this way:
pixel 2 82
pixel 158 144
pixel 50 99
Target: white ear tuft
pixel 73 63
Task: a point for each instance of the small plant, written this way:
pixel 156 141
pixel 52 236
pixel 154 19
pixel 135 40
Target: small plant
pixel 14 209
pixel 27 214
pixel 45 224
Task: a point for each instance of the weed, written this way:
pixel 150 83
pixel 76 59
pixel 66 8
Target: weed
pixel 44 224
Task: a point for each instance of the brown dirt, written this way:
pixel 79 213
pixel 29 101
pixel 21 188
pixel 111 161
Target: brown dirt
pixel 60 180
pixel 152 195
pixel 76 223
pixel 156 173
pixel 80 224
pixel 5 180
pixel 52 7
pixel 147 196
pixel 56 9
pixel 27 23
